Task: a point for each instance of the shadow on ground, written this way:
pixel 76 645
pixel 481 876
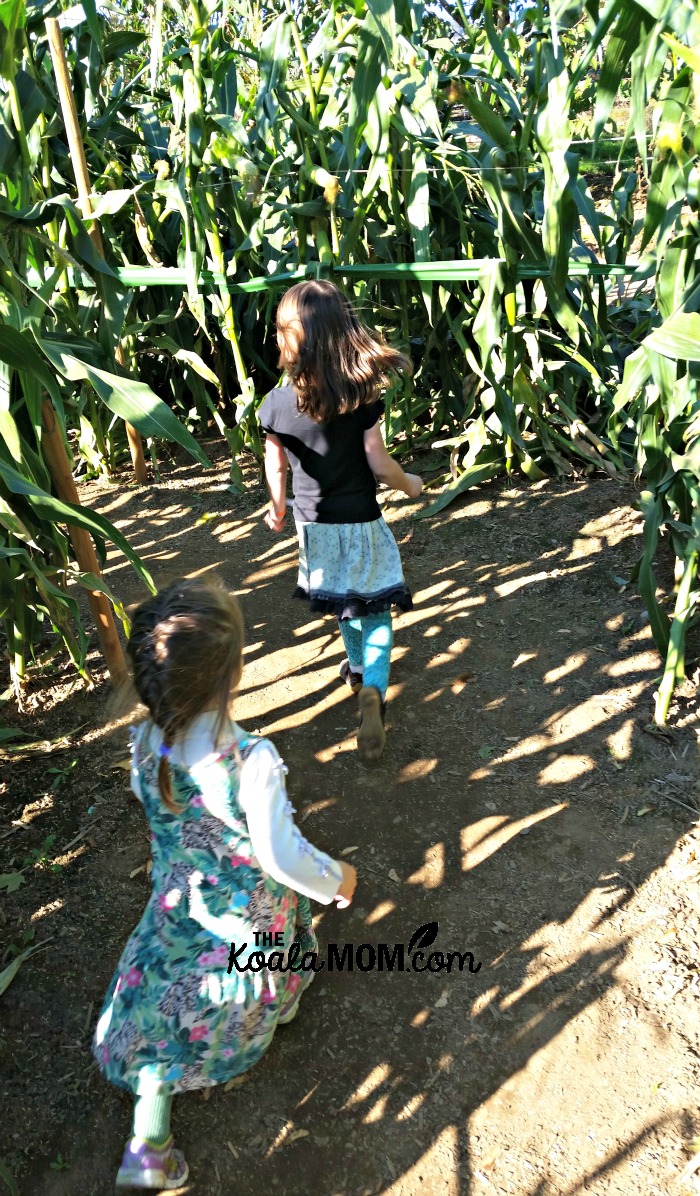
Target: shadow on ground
pixel 521 803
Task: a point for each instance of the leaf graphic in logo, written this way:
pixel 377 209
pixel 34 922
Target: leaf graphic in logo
pixel 423 936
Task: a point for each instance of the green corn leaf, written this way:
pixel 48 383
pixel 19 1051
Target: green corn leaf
pixel 18 350
pixel 54 509
pixel 418 214
pixel 60 607
pixel 274 56
pixel 187 357
pixel 471 477
pixel 130 399
pixel 192 359
pixel 636 373
pixel 122 42
pixel 621 45
pixel 691 56
pixel 563 309
pixel 8 1179
pixel 90 582
pixel 228 90
pixel 668 187
pixel 8 974
pixel 365 82
pixel 646 66
pixel 675 272
pixel 12 17
pixel 497 42
pixel 383 14
pixel 678 338
pixel 554 137
pixel 233 127
pixel 9 433
pixel 487 325
pixel 80 244
pixel 324 39
pixel 530 468
pixel 156 56
pixel 504 409
pixel 10 520
pixel 652 510
pixel 94 25
pixel 113 201
pixel 686 601
pixel 491 128
pixel 596 39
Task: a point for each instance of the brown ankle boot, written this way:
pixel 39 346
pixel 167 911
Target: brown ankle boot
pixel 371 735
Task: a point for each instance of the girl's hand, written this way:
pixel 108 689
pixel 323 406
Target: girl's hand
pixel 274 521
pixel 414 485
pixel 348 884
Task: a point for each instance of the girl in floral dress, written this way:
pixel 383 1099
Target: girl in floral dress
pixel 228 864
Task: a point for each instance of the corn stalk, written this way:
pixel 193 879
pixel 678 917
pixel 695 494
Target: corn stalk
pixel 365 140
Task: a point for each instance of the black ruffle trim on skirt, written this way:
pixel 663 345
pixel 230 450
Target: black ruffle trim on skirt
pixel 352 606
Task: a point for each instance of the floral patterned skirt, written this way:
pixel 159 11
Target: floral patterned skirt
pixel 173 1018
pixel 350 570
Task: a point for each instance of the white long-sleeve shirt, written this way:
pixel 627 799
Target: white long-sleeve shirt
pixel 279 847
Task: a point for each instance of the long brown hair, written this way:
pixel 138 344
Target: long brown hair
pixel 334 363
pixel 186 653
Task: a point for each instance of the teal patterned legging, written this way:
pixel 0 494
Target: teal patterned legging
pixel 368 642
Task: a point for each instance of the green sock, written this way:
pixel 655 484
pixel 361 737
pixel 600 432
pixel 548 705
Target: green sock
pixel 152 1118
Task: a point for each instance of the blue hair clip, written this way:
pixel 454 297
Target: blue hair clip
pixel 164 750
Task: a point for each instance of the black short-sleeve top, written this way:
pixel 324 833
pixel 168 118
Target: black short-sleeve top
pixel 333 482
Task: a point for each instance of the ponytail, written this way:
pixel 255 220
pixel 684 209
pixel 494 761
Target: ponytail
pixel 165 778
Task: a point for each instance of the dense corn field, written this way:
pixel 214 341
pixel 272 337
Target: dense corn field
pixel 431 164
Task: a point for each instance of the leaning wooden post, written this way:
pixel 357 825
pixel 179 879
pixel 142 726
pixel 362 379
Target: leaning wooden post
pixel 77 152
pixel 54 451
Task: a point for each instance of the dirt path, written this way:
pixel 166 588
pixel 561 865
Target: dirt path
pixel 521 804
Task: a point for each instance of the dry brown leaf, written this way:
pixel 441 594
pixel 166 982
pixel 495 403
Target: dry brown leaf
pixel 295 1135
pixel 286 1136
pixel 236 1082
pixel 393 876
pixel 125 764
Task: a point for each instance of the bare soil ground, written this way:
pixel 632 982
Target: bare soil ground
pixel 522 803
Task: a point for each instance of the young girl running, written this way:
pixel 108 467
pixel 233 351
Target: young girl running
pixel 228 864
pixel 326 424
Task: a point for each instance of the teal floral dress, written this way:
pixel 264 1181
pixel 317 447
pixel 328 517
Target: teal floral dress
pixel 173 1018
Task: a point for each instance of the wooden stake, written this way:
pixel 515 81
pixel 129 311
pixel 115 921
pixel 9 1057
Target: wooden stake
pixel 54 451
pixel 77 152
